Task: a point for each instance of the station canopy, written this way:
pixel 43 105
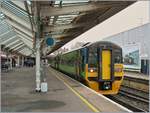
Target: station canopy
pixel 61 20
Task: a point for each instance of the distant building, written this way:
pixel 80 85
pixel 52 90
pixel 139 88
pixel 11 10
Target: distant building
pixel 136 42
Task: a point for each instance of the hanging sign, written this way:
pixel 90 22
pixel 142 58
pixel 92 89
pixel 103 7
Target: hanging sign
pixel 50 41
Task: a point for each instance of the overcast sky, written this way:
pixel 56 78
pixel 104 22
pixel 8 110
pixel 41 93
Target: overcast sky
pixel 135 15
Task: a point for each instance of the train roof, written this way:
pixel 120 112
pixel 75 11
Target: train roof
pixel 92 44
pixel 73 50
pixel 103 42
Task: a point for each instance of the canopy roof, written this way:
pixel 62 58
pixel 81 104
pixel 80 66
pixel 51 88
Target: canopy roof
pixel 61 20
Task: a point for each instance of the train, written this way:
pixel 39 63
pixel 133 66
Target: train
pixel 98 65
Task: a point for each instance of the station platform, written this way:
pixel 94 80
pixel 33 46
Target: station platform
pixel 136 75
pixel 64 94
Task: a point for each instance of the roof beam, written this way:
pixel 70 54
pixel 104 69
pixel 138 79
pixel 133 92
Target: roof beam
pixel 28 9
pixel 18 26
pixel 57 36
pixel 26 42
pixel 7 40
pixel 17 45
pixel 55 11
pixel 110 13
pixel 20 47
pixel 11 44
pixel 24 35
pixel 62 27
pixel 19 4
pixel 5 33
pixel 16 18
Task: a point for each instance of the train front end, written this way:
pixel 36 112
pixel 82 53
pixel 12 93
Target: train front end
pixel 104 70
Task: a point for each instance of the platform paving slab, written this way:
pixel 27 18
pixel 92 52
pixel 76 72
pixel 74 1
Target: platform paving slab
pixel 18 94
pixel 102 103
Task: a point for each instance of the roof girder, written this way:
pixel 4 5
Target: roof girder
pixel 5 33
pixel 17 45
pixel 58 36
pixel 9 39
pixel 55 11
pixel 19 4
pixel 63 27
pixel 23 34
pixel 12 43
pixel 18 48
pixel 18 26
pixel 16 18
pixel 26 42
pixel 21 48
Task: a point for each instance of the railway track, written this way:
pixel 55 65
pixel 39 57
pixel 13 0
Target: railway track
pixel 133 99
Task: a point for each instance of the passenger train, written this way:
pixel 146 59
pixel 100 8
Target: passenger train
pixel 99 65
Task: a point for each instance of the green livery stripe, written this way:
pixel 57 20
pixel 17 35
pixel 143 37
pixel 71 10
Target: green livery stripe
pixel 68 69
pixel 83 74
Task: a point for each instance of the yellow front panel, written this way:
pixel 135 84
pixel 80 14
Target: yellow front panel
pixel 106 64
pixel 93 74
pixel 118 70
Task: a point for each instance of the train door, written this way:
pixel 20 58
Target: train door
pixel 106 64
pixel 83 55
pixel 105 69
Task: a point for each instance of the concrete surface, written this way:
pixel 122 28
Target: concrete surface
pixel 18 94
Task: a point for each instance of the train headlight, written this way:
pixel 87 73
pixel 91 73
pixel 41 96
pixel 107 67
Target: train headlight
pixel 107 85
pixel 91 70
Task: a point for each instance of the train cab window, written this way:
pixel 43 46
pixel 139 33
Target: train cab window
pixel 92 60
pixel 118 58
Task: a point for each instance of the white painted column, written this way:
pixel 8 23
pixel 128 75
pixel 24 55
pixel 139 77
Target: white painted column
pixel 38 73
pixel 37 37
pixel 22 62
pixel 18 61
pixel 149 11
pixel 11 62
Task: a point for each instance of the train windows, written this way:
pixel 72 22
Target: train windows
pixel 83 63
pixel 118 58
pixel 92 60
pixel 83 53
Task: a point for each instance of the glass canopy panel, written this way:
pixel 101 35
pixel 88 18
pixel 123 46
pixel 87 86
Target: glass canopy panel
pixel 1 16
pixel 4 27
pixel 7 33
pixel 7 36
pixel 11 7
pixel 6 30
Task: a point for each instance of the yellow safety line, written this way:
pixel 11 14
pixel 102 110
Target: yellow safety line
pixel 82 98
